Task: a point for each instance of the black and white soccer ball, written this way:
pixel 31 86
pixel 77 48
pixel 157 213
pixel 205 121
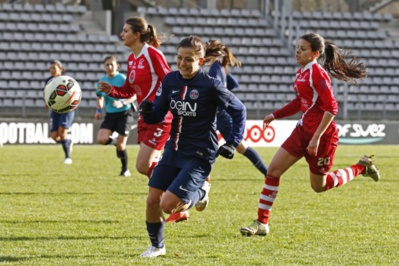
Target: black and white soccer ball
pixel 62 94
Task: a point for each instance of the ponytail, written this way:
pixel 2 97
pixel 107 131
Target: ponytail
pixel 341 64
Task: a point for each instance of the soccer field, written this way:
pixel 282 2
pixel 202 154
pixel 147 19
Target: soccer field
pixel 85 214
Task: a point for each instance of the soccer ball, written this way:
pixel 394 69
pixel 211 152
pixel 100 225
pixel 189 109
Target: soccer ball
pixel 62 94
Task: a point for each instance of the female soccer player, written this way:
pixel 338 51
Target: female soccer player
pixel 315 136
pixel 178 181
pixel 220 70
pixel 60 123
pixel 147 67
pixel 119 114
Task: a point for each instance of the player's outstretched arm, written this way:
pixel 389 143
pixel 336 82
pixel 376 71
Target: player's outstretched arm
pixel 267 120
pixel 226 150
pixel 150 113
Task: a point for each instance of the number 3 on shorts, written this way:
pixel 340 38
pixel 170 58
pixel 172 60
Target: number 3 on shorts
pixel 158 133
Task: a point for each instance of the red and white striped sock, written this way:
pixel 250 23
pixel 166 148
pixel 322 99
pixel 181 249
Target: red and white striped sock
pixel 342 176
pixel 267 197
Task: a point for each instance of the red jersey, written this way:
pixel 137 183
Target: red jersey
pixel 314 96
pixel 144 75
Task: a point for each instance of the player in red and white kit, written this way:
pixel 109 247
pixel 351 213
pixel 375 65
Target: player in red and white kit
pixel 315 136
pixel 147 67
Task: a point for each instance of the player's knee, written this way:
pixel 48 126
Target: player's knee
pixel 152 203
pixel 273 172
pixel 166 207
pixel 54 136
pixel 121 147
pixel 142 169
pixel 170 205
pixel 102 141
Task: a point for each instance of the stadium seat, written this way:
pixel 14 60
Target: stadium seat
pixel 268 64
pixel 7 102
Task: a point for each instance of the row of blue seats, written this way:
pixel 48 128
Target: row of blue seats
pixel 35 17
pixel 46 56
pixel 55 37
pixel 226 31
pixel 199 12
pixel 343 16
pixel 40 27
pixel 217 21
pixel 60 47
pixel 28 76
pixel 339 24
pixel 44 9
pixel 353 35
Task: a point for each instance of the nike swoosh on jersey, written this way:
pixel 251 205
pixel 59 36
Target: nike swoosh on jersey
pixel 182 188
pixel 175 91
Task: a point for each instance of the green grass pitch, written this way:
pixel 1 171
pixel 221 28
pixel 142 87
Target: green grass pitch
pixel 85 214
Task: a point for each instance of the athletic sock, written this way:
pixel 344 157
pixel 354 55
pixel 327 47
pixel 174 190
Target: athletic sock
pixel 156 233
pixel 109 141
pixel 342 176
pixel 267 197
pixel 66 144
pixel 257 161
pixel 122 155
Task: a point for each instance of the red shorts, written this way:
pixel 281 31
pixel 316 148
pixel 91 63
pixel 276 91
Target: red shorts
pixel 154 135
pixel 320 164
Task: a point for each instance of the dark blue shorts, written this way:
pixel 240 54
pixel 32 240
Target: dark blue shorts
pixel 61 120
pixel 180 175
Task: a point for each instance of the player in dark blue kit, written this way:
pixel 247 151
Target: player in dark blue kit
pixel 192 96
pixel 61 123
pixel 219 69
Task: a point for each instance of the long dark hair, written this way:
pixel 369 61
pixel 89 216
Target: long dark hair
pixel 228 59
pixel 338 62
pixel 147 32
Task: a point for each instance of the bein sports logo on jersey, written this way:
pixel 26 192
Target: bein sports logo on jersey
pixel 184 108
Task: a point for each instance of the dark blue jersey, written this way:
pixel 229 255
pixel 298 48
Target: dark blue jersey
pixel 193 104
pixel 224 121
pixel 217 71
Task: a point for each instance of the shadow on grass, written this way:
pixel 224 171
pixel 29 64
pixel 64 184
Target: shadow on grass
pixel 25 238
pixel 70 193
pixel 10 259
pixel 261 178
pixel 61 221
pixel 21 259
